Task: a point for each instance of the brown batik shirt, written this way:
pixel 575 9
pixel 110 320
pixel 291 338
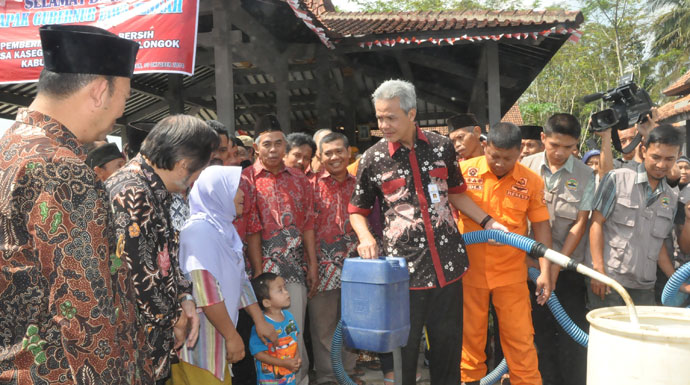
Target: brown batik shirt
pixel 67 312
pixel 148 243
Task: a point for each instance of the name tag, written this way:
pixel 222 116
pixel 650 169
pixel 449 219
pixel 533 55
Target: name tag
pixel 433 193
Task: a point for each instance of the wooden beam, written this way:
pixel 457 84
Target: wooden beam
pixel 222 52
pixel 435 115
pixel 174 95
pixel 323 90
pixel 493 82
pixel 477 104
pixel 243 20
pixel 160 95
pixel 444 100
pixel 263 87
pixel 449 66
pixel 404 65
pixel 144 112
pixel 14 99
pixel 282 92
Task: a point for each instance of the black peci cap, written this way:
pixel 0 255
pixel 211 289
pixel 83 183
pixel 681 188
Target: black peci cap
pixel 531 132
pixel 461 120
pixel 103 154
pixel 83 49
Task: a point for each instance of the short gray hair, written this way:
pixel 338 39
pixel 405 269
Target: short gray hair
pixel 321 131
pixel 401 89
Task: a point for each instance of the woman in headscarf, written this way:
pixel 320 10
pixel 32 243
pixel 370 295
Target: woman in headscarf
pixel 211 256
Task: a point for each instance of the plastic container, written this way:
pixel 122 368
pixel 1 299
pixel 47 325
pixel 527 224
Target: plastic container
pixel 655 352
pixel 375 303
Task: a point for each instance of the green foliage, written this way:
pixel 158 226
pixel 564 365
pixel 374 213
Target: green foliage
pixel 672 28
pixel 618 37
pixel 614 42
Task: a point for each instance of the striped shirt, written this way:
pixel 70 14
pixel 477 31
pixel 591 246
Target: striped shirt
pixel 209 352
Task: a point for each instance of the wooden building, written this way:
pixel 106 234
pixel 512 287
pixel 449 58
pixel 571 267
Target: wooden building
pixel 315 67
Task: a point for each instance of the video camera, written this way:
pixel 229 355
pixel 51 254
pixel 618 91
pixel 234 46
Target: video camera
pixel 629 105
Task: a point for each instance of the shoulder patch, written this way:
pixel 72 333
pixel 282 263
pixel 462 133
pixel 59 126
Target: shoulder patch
pixel 571 184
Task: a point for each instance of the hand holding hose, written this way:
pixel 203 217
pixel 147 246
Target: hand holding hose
pixel 599 288
pixel 544 287
pixel 494 225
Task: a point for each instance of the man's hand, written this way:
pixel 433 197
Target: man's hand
pixel 685 288
pixel 189 312
pixel 266 332
pixel 646 127
pixel 598 288
pixel 234 348
pixel 544 287
pixel 367 248
pixel 493 225
pixel 180 331
pixel 312 279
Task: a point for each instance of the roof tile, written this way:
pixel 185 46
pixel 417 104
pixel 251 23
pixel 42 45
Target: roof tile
pixel 348 24
pixel 674 108
pixel 679 87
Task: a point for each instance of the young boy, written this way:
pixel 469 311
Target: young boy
pixel 275 364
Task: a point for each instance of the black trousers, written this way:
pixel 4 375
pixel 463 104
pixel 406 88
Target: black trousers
pixel 244 370
pixel 562 361
pixel 440 309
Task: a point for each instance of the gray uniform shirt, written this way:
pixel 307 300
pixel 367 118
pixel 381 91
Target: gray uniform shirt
pixel 637 222
pixel 567 192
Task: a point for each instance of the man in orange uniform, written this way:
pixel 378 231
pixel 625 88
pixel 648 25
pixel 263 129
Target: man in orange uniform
pixel 512 194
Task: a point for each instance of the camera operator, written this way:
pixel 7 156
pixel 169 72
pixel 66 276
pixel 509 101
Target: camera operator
pixel 627 205
pixel 633 158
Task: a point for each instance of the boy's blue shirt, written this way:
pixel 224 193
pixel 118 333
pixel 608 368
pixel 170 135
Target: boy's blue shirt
pixel 285 348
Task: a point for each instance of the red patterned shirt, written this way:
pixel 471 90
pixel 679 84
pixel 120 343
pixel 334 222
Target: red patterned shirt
pixel 335 238
pixel 281 207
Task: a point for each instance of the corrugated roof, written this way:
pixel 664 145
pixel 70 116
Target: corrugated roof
pixel 679 87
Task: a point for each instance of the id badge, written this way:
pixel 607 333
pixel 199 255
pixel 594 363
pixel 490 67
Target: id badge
pixel 433 193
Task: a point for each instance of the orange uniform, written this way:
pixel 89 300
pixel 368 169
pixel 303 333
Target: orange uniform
pixel 499 273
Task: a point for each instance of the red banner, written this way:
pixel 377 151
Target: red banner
pixel 164 29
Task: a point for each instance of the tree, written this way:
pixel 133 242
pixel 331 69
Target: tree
pixel 672 28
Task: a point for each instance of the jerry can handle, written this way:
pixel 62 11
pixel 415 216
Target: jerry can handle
pixel 395 262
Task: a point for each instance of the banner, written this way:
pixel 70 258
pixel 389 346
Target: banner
pixel 165 30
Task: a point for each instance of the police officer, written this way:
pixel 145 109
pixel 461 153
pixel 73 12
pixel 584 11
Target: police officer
pixel 569 189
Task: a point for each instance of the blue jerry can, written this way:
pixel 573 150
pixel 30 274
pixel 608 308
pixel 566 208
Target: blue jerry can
pixel 375 303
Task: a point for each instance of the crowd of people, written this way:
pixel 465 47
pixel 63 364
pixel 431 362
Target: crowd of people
pixel 198 257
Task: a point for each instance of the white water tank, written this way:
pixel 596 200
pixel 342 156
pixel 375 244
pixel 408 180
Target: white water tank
pixel 656 352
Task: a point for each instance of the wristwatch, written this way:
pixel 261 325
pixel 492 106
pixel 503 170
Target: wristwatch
pixel 187 297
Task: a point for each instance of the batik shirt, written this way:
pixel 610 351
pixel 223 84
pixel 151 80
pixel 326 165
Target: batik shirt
pixel 282 209
pixel 147 242
pixel 413 186
pixel 335 238
pixel 67 312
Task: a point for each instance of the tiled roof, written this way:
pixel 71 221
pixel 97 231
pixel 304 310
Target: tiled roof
pixel 672 110
pixel 513 115
pixel 679 87
pixel 358 24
